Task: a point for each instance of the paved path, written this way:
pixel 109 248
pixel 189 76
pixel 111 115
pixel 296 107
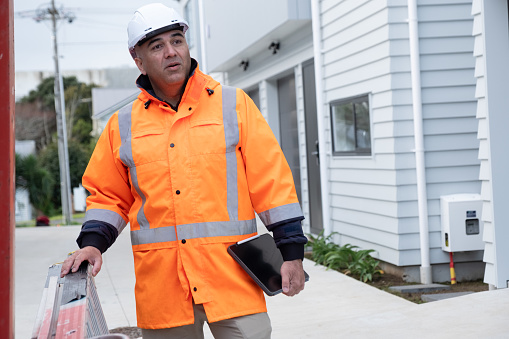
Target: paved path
pixel 332 305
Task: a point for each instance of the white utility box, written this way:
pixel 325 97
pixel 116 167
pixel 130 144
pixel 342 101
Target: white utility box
pixel 462 226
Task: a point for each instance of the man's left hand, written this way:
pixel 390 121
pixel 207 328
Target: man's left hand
pixel 292 275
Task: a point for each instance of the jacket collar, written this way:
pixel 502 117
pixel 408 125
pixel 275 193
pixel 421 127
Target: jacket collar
pixel 143 83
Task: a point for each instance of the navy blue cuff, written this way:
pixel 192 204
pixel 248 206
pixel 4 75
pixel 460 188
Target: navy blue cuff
pixel 292 221
pixel 92 239
pixel 292 251
pixel 98 234
pixel 289 238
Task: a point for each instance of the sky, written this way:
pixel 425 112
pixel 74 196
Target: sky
pixel 96 39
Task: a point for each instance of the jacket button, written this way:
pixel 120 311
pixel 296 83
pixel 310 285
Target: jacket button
pixel 183 241
pixel 178 192
pixel 195 289
pixel 172 145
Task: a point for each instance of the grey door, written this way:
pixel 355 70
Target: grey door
pixel 313 159
pixel 254 94
pixel 288 126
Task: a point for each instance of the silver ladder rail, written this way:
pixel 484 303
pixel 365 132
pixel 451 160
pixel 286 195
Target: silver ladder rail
pixel 70 307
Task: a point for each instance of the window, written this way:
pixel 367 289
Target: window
pixel 351 131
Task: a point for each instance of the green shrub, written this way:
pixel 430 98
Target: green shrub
pixel 321 246
pixel 340 258
pixel 347 259
pixel 30 175
pixel 364 265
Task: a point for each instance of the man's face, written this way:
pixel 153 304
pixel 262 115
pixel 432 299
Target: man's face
pixel 165 59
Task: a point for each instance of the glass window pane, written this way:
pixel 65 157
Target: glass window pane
pixel 351 128
pixel 362 124
pixel 344 138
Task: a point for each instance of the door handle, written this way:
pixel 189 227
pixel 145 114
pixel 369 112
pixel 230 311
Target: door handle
pixel 317 153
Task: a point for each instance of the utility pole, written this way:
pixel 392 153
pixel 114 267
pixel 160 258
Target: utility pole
pixel 52 13
pixel 63 151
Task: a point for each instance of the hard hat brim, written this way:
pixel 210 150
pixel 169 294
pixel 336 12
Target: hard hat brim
pixel 159 31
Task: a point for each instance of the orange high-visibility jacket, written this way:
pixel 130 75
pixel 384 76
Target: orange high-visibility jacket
pixel 187 182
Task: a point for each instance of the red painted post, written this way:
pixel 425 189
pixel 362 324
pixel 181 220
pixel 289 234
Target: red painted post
pixel 7 186
pixel 451 268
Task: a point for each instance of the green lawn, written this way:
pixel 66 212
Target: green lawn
pixel 54 220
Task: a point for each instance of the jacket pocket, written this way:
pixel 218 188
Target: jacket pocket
pixel 206 137
pixel 149 146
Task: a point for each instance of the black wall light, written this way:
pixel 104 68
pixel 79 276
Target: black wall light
pixel 244 64
pixel 274 47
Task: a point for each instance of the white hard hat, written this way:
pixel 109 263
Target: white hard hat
pixel 151 20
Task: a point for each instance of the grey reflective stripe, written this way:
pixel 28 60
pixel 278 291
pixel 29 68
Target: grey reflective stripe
pixel 231 134
pixel 216 229
pixel 193 231
pixel 153 235
pixel 280 213
pixel 124 126
pixel 112 218
pixel 126 155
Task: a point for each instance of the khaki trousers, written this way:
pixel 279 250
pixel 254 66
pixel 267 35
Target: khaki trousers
pixel 253 326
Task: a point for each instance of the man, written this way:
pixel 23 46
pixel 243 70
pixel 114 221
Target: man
pixel 185 165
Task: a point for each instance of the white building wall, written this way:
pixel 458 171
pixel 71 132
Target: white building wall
pixel 23 208
pixel 235 28
pixel 24 147
pixel 484 176
pixel 190 11
pixel 491 70
pixel 264 71
pixel 356 61
pixel 305 203
pixel 366 51
pixel 449 110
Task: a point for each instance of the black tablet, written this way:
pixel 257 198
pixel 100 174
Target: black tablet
pixel 262 260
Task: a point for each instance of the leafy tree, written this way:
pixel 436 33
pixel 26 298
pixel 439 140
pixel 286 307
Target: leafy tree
pixel 34 124
pixel 78 110
pixel 81 131
pixel 45 92
pixel 79 127
pixel 37 180
pixel 79 155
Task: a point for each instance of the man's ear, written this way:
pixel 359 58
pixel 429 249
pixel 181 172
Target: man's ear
pixel 139 63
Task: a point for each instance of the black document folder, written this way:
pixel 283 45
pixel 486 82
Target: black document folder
pixel 262 260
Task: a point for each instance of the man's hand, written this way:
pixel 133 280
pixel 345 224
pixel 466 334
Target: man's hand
pixel 292 275
pixel 73 262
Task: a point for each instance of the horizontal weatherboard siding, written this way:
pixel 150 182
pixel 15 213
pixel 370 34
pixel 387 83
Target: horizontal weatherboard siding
pixel 366 50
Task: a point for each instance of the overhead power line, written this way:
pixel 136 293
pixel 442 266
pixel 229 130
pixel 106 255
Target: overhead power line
pixel 48 12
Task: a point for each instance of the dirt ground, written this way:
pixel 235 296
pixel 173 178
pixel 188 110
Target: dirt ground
pixel 385 281
pixel 131 332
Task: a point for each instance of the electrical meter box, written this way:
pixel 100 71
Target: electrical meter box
pixel 462 226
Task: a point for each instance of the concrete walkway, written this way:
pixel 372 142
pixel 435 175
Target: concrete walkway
pixel 332 305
